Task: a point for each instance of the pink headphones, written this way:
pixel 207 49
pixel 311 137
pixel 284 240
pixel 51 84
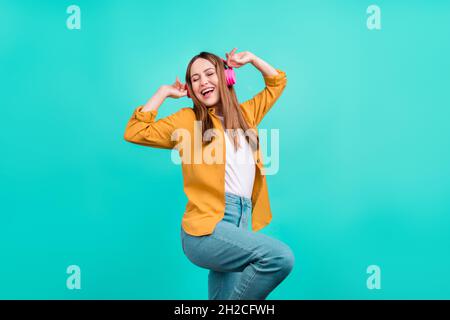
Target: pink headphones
pixel 230 77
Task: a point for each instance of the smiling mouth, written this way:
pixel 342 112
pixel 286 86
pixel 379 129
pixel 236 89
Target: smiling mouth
pixel 207 92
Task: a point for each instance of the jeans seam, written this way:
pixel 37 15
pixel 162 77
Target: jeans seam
pixel 247 284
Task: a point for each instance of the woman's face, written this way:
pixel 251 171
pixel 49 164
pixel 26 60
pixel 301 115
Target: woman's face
pixel 205 82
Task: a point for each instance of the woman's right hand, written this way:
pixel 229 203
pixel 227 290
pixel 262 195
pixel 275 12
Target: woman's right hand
pixel 175 90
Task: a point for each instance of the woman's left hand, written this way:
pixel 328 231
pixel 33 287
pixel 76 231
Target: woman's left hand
pixel 237 60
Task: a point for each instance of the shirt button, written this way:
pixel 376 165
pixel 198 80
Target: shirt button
pixel 257 160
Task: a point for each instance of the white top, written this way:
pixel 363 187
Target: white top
pixel 239 167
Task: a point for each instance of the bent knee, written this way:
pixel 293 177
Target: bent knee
pixel 280 260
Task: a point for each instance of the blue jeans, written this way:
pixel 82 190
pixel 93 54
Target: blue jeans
pixel 243 264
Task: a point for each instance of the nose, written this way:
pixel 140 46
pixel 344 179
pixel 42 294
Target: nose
pixel 204 81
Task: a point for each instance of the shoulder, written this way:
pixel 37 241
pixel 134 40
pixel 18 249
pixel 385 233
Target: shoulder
pixel 187 113
pixel 183 118
pixel 246 113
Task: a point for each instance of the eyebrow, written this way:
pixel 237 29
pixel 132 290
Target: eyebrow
pixel 196 74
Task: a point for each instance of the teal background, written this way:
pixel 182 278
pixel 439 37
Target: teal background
pixel 364 154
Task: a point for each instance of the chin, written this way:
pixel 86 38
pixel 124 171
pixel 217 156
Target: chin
pixel 210 103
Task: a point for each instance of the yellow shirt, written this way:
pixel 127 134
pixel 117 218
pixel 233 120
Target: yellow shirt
pixel 204 183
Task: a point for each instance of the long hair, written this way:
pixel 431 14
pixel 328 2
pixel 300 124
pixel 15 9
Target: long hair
pixel 232 114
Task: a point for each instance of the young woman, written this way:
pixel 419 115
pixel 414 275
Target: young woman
pixel 223 173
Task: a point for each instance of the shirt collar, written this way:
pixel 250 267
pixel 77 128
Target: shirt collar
pixel 212 111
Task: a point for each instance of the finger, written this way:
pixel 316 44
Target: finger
pixel 180 84
pixel 233 51
pixel 228 58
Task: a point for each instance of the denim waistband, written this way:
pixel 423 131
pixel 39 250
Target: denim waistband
pixel 234 198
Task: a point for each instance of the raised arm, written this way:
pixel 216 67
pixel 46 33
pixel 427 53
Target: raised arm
pixel 275 81
pixel 143 129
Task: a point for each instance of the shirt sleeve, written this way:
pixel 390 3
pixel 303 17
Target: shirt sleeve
pixel 144 129
pixel 257 107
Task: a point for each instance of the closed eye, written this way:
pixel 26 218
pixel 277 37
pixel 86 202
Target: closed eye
pixel 208 74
